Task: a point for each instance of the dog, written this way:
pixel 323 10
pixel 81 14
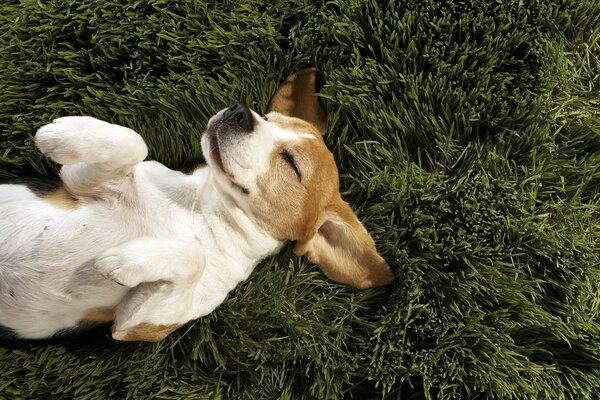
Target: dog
pixel 130 242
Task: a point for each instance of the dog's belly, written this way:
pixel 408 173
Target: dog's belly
pixel 47 279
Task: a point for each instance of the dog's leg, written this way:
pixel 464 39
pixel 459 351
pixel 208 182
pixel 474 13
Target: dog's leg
pixel 162 274
pixel 152 310
pixel 94 153
pixel 149 259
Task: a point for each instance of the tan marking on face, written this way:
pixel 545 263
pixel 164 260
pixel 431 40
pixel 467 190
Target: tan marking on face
pixel 310 210
pixel 61 198
pixel 99 314
pixel 289 207
pixel 294 125
pixel 145 332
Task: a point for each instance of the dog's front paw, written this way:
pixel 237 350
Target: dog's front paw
pixel 119 268
pixel 70 140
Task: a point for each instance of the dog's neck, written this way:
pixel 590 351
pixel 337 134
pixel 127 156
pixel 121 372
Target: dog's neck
pixel 225 229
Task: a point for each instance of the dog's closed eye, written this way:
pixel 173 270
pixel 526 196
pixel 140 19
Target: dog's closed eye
pixel 289 158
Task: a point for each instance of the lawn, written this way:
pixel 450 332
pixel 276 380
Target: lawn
pixel 467 134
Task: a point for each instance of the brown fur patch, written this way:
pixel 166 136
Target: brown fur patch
pixel 145 332
pixel 294 124
pixel 99 314
pixel 295 97
pixel 288 207
pixel 61 198
pixel 310 210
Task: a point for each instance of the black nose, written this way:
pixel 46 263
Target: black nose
pixel 239 116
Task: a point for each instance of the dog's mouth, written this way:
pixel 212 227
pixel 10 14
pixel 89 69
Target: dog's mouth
pixel 215 154
pixel 215 151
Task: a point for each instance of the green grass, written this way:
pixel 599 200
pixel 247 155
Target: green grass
pixel 468 138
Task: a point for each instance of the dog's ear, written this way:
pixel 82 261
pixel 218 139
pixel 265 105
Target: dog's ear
pixel 344 250
pixel 295 97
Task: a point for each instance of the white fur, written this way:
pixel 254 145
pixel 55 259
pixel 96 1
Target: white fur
pixel 248 155
pixel 160 246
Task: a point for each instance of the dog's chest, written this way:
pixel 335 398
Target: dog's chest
pixel 37 231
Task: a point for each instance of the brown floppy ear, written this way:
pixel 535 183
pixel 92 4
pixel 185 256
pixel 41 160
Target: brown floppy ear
pixel 296 98
pixel 345 251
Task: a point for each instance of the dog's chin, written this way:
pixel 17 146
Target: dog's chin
pixel 215 157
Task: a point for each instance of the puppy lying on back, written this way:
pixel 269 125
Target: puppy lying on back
pixel 149 248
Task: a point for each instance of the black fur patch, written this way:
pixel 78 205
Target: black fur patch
pixel 40 186
pixel 7 333
pixel 10 335
pixel 76 330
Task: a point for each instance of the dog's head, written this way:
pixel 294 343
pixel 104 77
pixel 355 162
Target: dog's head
pixel 278 169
